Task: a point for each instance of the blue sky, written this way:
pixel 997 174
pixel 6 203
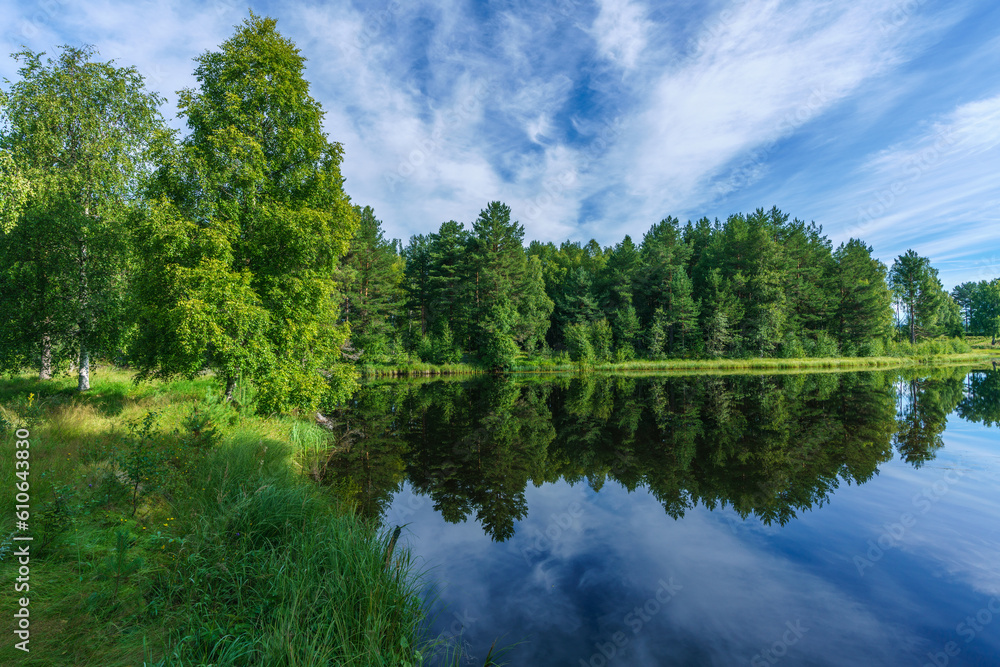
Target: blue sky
pixel 595 119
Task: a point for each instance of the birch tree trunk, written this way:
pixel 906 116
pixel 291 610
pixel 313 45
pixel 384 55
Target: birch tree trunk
pixel 84 371
pixel 45 370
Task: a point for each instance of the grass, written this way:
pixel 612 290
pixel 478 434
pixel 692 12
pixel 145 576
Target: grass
pixel 418 369
pixel 901 354
pixel 758 364
pixel 232 556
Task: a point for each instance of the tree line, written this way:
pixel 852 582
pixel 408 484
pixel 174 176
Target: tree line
pixel 754 285
pixel 233 247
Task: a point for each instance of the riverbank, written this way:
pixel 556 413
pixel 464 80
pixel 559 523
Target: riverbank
pixel 695 365
pixel 171 529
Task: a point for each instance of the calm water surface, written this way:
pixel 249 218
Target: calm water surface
pixel 827 519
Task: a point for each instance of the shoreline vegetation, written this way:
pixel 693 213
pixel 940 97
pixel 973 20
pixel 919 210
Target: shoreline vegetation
pixel 915 356
pixel 172 528
pixel 686 365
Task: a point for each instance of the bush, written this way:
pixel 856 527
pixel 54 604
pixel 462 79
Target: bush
pixel 599 333
pixel 872 348
pixel 791 348
pixel 624 353
pixel 581 350
pixel 825 346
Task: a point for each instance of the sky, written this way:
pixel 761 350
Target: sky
pixel 878 120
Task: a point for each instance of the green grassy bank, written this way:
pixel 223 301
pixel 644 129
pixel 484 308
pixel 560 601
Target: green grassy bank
pixel 170 529
pixel 927 353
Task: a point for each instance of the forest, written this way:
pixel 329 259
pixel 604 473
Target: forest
pixel 233 247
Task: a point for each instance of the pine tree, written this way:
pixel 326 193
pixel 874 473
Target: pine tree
pixel 615 282
pixel 917 290
pixel 372 291
pixel 534 309
pixel 682 314
pixel 864 302
pixel 448 277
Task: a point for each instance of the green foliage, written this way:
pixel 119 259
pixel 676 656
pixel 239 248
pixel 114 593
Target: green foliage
pixel 24 411
pixel 918 293
pixel 439 348
pixel 139 460
pixel 579 343
pixel 15 189
pixel 874 347
pixel 823 345
pixel 656 334
pixel 863 315
pixel 979 304
pixel 74 135
pixel 116 569
pixel 200 425
pixel 601 339
pixel 626 326
pixel 372 289
pixel 247 221
pixel 792 347
pixel 218 566
pixel 498 349
pixel 54 519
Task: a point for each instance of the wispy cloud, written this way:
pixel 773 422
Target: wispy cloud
pixel 595 117
pixel 935 192
pixel 620 31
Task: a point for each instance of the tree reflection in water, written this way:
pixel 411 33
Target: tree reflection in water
pixel 767 446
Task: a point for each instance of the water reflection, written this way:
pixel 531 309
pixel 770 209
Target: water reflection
pixel 768 447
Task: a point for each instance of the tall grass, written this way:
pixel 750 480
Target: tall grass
pixel 917 356
pixel 233 556
pixel 420 368
pixel 941 350
pixel 267 560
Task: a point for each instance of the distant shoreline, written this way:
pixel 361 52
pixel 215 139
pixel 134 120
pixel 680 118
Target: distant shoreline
pixel 699 365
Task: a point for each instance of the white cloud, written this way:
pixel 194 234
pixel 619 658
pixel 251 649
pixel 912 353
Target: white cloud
pixel 770 70
pixel 936 193
pixel 441 111
pixel 620 31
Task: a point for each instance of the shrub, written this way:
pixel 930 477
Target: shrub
pixel 577 337
pixel 599 333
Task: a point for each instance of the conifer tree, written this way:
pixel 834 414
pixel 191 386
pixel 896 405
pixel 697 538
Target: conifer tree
pixel 918 292
pixel 864 303
pixel 373 273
